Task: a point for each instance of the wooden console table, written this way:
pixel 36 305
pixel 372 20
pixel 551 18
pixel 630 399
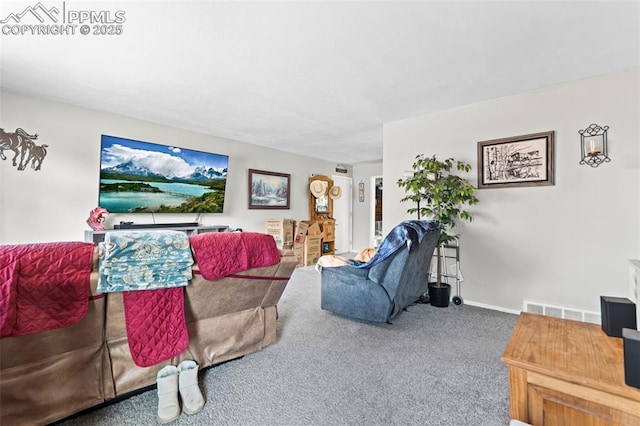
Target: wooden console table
pixel 564 372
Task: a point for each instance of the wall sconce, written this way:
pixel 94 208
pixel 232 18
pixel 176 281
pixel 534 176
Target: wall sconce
pixel 593 145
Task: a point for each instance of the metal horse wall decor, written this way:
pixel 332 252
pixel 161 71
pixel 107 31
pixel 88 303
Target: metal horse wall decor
pixel 22 144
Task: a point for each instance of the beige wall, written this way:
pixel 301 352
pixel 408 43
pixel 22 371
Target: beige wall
pixel 52 204
pixel 565 244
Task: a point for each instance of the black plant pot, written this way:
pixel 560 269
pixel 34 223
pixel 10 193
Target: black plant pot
pixel 439 294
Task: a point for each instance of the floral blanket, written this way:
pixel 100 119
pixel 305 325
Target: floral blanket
pixel 144 260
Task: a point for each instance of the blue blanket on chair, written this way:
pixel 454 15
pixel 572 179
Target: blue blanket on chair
pixel 407 233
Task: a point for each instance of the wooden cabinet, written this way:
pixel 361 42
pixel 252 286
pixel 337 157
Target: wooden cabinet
pixel 321 211
pixel 328 227
pixel 564 372
pixel 378 207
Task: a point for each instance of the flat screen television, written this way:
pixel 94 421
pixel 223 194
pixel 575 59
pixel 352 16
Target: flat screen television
pixel 144 177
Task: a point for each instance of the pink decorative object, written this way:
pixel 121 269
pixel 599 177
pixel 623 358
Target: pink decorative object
pixel 96 218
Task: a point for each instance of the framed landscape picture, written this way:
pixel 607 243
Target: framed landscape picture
pixel 525 160
pixel 269 190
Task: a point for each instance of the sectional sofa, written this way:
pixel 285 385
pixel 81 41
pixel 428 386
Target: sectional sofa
pixel 49 375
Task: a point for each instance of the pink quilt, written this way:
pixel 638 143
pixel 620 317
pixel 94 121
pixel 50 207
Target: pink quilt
pixel 219 254
pixel 43 286
pixel 156 324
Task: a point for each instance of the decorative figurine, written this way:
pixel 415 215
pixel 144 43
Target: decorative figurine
pixel 96 218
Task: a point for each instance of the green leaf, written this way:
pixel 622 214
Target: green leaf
pixel 438 193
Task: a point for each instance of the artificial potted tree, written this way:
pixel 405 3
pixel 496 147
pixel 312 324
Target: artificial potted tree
pixel 440 195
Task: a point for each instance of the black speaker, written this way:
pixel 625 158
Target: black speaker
pixel 631 346
pixel 617 313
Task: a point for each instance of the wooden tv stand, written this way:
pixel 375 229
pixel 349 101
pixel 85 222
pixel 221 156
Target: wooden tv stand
pixel 564 372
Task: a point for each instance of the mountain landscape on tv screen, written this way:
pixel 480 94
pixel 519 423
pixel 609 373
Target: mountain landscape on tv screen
pixel 199 174
pixel 138 177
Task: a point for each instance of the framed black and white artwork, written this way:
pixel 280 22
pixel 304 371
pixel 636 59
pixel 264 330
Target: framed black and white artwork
pixel 525 160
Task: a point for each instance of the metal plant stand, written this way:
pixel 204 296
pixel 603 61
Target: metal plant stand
pixel 450 267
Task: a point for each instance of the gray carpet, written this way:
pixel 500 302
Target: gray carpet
pixel 432 366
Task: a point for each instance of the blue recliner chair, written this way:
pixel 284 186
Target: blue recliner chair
pixel 395 277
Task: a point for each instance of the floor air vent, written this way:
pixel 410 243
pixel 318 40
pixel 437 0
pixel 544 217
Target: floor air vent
pixel 562 312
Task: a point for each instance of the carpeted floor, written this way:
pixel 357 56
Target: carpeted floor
pixel 432 366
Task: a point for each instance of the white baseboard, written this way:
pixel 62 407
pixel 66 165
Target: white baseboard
pixel 492 307
pixel 548 310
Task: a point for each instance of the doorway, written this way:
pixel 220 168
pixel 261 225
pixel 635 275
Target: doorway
pixel 375 232
pixel 342 213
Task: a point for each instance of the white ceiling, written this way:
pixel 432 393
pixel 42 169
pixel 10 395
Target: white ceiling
pixel 317 78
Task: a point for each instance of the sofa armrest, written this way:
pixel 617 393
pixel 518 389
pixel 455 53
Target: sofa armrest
pixel 288 262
